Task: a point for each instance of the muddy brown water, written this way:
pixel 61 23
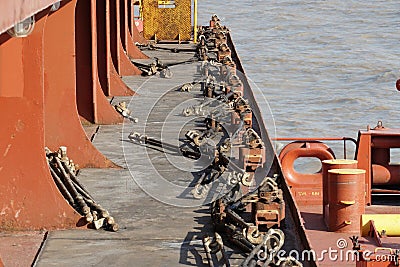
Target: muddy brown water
pixel 326 68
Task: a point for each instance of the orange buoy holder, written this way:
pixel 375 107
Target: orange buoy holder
pixel 306 187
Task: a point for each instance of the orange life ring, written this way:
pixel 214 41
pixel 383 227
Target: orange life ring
pixel 295 150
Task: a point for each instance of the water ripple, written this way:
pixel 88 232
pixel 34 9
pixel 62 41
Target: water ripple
pixel 326 67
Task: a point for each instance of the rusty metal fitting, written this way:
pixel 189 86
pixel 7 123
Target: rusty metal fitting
pixel 270 244
pixel 233 216
pixel 89 218
pixel 194 136
pixel 194 110
pixel 110 220
pixel 104 213
pixel 253 235
pixel 251 158
pixel 122 109
pixel 137 137
pixel 236 95
pixel 233 178
pixel 94 214
pixel 241 105
pixel 215 18
pixel 113 227
pixel 227 61
pixel 222 54
pixel 215 252
pixel 248 119
pixel 237 86
pixel 219 40
pixel 268 215
pixel 202 40
pixel 62 152
pixel 246 179
pixel 233 79
pixel 187 87
pixel 85 209
pixel 199 191
pixel 379 126
pixel 270 191
pixel 166 73
pixel 252 139
pixel 224 70
pixel 279 239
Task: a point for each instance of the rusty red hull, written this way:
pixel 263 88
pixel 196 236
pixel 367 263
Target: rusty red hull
pixel 51 82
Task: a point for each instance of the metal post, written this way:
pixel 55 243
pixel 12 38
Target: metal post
pixel 195 22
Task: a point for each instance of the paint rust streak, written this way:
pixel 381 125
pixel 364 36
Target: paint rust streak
pixel 6 151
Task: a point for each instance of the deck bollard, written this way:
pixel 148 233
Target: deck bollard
pixel 331 164
pixel 346 199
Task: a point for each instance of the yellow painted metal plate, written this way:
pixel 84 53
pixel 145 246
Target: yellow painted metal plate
pixel 167 19
pixel 388 222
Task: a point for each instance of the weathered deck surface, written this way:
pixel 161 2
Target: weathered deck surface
pixel 321 239
pixel 151 233
pixel 19 248
pixel 149 196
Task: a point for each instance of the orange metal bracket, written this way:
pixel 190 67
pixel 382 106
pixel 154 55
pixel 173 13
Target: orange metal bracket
pixel 363 155
pixel 92 104
pixel 131 49
pixel 137 37
pixel 62 124
pixel 373 232
pixel 121 61
pixel 29 198
pixel 110 81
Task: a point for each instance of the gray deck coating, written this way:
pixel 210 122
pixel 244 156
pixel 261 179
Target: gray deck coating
pixel 149 197
pixel 152 233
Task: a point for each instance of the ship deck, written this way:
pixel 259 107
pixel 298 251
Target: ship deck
pixel 157 228
pixel 161 224
pixel 321 239
pixel 152 233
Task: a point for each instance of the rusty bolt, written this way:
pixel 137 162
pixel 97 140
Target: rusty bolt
pixel 113 227
pixel 104 214
pixel 63 152
pixel 110 220
pixel 94 214
pixel 89 218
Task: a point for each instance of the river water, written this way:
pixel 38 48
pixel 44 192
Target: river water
pixel 326 68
